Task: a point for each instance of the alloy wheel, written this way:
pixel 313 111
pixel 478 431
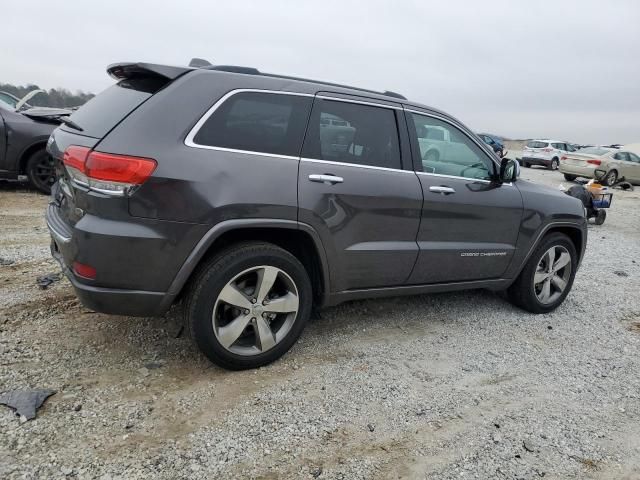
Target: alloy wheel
pixel 255 310
pixel 552 274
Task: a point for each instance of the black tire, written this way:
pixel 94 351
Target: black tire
pixel 610 178
pixel 601 216
pixel 569 178
pixel 214 274
pixel 527 165
pixel 555 163
pixel 522 292
pixel 40 170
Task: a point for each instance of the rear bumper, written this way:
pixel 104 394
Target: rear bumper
pixel 119 301
pixel 537 161
pixel 587 172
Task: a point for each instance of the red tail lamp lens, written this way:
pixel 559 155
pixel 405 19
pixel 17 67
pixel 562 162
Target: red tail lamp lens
pixel 75 157
pixel 119 168
pixel 594 162
pixel 85 271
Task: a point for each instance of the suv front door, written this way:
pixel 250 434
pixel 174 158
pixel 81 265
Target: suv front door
pixel 469 224
pixel 357 193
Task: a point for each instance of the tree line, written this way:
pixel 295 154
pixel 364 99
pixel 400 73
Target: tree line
pixel 54 97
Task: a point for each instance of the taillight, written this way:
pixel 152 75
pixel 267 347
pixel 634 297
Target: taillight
pixel 82 270
pixel 74 160
pixel 594 162
pixel 107 172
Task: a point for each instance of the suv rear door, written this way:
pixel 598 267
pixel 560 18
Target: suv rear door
pixel 469 224
pixel 357 189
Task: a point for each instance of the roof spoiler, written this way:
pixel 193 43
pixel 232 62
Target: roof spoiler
pixel 121 71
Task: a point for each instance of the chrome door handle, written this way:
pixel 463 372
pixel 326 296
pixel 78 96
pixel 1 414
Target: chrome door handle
pixel 442 190
pixel 326 178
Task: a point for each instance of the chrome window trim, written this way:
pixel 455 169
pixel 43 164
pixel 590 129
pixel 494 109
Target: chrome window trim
pixel 480 180
pixel 189 142
pixel 360 102
pixel 370 167
pixel 189 139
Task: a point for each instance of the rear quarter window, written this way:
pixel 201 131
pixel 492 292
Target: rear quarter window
pixel 104 111
pixel 537 144
pixel 257 122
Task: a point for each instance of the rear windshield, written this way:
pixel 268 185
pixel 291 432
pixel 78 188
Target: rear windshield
pixel 594 150
pixel 537 144
pixel 104 111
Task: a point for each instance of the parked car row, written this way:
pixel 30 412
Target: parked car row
pixel 608 164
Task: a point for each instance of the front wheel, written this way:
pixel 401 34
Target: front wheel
pixel 248 305
pixel 547 277
pixel 41 171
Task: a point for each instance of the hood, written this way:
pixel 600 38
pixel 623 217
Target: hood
pixel 556 201
pixel 46 112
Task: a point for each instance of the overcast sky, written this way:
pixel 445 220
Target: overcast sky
pixel 565 69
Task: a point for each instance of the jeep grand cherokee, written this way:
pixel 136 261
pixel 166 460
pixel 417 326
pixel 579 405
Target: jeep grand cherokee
pixel 253 198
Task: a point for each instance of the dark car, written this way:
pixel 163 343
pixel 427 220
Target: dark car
pixel 23 141
pixel 254 198
pixel 494 142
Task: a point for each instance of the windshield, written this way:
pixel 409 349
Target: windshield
pixel 6 106
pixel 7 101
pixel 595 150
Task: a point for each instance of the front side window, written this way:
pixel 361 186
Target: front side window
pixel 353 133
pixel 446 150
pixel 634 158
pixel 257 122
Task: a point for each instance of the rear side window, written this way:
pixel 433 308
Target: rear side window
pixel 104 111
pixel 257 122
pixel 536 144
pixel 353 133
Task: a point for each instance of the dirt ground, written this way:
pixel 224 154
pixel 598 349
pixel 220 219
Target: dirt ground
pixel 459 385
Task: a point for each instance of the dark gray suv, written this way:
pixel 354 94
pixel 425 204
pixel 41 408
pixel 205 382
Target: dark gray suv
pixel 255 198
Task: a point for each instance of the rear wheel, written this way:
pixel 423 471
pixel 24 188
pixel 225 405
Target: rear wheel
pixel 248 305
pixel 40 170
pixel 527 165
pixel 611 178
pixel 547 277
pixel 554 164
pixel 569 178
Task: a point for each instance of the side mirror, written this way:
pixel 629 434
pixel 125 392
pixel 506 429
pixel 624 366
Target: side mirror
pixel 509 170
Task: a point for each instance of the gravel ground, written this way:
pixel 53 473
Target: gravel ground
pixel 458 385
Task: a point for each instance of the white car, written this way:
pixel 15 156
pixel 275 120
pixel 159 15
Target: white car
pixel 545 152
pixel 605 164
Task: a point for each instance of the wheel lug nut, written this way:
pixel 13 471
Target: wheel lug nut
pixel 253 300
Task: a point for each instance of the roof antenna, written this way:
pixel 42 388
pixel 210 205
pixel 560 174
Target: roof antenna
pixel 199 63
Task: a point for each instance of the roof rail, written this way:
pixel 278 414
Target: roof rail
pixel 255 71
pixel 235 69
